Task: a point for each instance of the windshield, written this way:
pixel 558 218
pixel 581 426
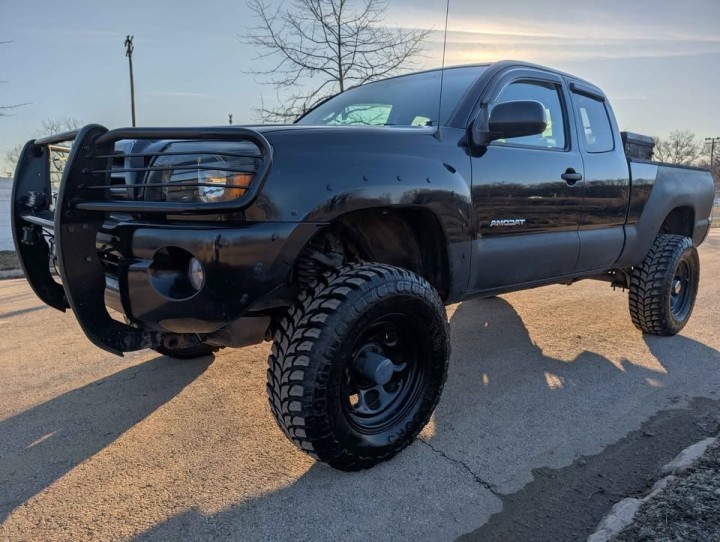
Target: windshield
pixel 410 100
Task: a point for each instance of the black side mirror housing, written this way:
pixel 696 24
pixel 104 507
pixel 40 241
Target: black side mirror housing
pixel 510 119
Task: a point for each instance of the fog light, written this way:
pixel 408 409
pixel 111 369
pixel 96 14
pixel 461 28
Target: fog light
pixel 196 274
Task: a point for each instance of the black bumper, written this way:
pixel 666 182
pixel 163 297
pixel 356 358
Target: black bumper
pixel 244 263
pixel 246 269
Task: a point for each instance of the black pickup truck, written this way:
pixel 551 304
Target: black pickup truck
pixel 342 237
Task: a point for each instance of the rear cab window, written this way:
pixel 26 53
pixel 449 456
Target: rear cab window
pixel 594 125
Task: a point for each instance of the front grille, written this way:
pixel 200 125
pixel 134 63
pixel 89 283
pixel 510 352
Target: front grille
pixel 178 171
pixel 161 171
pixel 176 176
pixel 121 183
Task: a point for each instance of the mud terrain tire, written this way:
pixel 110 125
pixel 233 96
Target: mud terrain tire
pixel 358 365
pixel 664 286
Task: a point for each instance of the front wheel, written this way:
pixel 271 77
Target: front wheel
pixel 358 365
pixel 664 286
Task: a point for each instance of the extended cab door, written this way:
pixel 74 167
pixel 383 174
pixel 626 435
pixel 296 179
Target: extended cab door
pixel 527 191
pixel 607 179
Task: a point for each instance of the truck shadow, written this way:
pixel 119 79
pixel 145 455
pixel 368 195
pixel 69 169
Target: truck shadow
pixel 18 312
pixel 40 445
pixel 507 408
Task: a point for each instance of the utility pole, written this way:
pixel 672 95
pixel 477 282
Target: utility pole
pixel 129 48
pixel 712 141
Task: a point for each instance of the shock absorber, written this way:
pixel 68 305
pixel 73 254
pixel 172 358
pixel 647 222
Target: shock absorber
pixel 321 254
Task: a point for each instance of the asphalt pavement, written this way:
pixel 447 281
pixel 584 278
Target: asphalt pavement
pixel 98 447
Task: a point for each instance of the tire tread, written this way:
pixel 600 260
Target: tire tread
pixel 292 372
pixel 649 283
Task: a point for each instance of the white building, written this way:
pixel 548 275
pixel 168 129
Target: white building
pixel 6 242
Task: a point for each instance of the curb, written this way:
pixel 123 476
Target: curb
pixel 11 274
pixel 623 513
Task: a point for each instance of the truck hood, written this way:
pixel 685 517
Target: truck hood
pixel 292 130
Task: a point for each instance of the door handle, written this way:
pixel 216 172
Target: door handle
pixel 571 176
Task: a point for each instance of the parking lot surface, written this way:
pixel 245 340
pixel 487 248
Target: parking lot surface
pixel 98 447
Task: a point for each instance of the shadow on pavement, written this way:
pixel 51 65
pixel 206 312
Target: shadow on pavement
pixel 40 445
pixel 508 420
pixel 506 408
pixel 18 312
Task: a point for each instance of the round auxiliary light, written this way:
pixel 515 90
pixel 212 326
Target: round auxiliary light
pixel 196 274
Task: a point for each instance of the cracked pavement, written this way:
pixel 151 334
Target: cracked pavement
pixel 94 446
pixel 492 489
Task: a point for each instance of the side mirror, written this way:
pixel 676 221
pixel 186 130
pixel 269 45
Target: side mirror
pixel 511 119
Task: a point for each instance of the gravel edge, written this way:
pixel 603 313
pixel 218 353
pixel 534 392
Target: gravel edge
pixel 623 513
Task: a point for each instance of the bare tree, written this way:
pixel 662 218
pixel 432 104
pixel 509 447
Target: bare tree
pixel 49 127
pixel 679 148
pixel 324 47
pixel 11 159
pixel 714 168
pixel 58 126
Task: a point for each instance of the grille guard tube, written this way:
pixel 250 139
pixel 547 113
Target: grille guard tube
pixel 81 271
pixel 33 175
pixel 77 219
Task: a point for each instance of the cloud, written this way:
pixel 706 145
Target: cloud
pixel 605 31
pixel 548 56
pixel 604 24
pixel 481 46
pixel 590 36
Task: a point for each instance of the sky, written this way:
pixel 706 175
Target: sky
pixel 658 60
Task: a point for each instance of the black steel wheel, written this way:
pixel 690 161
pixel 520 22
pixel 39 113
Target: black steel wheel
pixel 664 287
pixel 385 373
pixel 358 365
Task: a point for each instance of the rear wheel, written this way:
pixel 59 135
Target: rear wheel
pixel 358 365
pixel 664 287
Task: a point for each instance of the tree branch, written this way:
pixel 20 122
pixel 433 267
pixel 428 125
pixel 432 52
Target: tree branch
pixel 325 46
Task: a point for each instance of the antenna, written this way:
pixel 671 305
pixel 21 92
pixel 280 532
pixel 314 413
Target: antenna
pixel 437 134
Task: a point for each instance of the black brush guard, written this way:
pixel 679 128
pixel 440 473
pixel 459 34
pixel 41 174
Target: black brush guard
pixel 82 205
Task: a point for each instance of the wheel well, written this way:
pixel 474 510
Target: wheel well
pixel 409 238
pixel 680 221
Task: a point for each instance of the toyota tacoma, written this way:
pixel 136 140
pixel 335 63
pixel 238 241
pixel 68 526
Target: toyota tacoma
pixel 341 237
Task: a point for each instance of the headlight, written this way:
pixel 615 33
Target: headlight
pixel 188 173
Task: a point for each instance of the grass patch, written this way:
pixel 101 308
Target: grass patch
pixel 687 509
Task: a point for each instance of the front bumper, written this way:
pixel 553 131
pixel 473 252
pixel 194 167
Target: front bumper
pixel 245 263
pixel 246 269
